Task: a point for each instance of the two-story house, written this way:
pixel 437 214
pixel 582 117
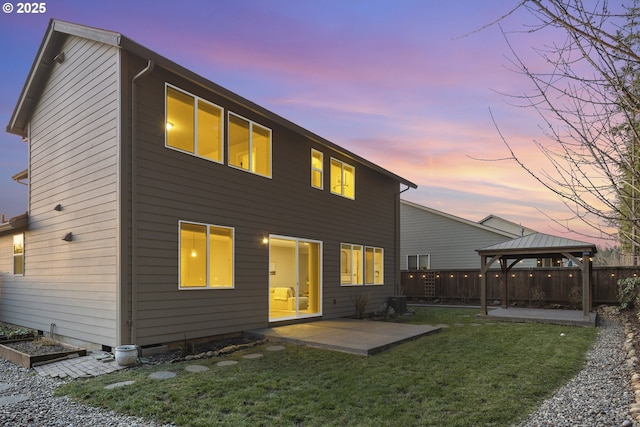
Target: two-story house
pixel 163 206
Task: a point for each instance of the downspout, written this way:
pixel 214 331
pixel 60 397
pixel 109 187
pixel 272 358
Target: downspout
pixel 134 234
pixel 397 221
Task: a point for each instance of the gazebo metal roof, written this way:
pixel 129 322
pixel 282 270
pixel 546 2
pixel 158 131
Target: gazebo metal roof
pixel 536 245
pixel 539 243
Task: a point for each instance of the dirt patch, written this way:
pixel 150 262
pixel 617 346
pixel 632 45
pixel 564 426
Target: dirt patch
pixel 36 347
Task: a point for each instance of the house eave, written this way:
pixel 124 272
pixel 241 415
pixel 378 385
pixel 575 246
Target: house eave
pixel 16 223
pixel 59 30
pixel 21 175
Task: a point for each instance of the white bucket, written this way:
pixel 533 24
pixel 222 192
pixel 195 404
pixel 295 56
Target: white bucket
pixel 126 355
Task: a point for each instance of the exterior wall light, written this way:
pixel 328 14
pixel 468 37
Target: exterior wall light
pixel 68 237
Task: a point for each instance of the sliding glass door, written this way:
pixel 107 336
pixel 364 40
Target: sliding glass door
pixel 295 278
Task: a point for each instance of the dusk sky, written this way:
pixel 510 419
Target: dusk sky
pixel 408 85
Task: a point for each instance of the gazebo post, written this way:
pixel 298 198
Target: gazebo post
pixel 503 282
pixel 586 284
pixel 483 285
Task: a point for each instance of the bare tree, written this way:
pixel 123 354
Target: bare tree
pixel 588 99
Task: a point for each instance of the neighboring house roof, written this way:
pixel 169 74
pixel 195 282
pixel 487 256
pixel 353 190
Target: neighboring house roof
pixel 460 220
pixel 538 243
pixel 49 52
pixel 495 221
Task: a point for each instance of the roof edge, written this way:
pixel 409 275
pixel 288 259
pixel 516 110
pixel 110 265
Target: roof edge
pixel 15 223
pixel 458 219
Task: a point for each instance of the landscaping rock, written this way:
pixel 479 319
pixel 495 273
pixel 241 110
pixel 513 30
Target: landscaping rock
pixel 118 385
pixel 227 363
pixel 162 375
pixel 196 368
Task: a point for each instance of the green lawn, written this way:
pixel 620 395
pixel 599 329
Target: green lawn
pixel 473 373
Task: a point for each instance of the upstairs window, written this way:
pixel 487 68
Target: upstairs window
pixel 249 146
pixel 193 125
pixel 343 179
pixel 18 254
pixel 317 174
pixel 206 256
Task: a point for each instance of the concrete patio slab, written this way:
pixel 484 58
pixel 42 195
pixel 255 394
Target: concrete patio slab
pixel 539 315
pixel 361 337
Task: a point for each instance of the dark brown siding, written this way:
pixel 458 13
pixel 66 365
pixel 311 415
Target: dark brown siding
pixel 174 186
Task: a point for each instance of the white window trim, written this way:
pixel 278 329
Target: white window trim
pixel 314 169
pixel 352 269
pixel 381 267
pixel 22 255
pixel 251 123
pixel 233 254
pixel 342 179
pixel 196 99
pixel 418 261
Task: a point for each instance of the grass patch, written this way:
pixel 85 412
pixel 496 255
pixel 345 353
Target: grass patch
pixel 490 374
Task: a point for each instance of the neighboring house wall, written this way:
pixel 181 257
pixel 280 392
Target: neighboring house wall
pixel 73 162
pixel 451 242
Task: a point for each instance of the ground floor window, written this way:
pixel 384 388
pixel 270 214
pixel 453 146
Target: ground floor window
pixel 418 262
pixel 351 264
pixel 18 254
pixel 374 265
pixel 206 256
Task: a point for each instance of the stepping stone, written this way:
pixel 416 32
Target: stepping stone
pixel 227 363
pixel 162 375
pixel 253 356
pixel 8 400
pixel 275 348
pixel 196 368
pixel 120 384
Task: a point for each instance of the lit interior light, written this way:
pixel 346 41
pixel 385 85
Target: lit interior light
pixel 194 253
pixel 169 125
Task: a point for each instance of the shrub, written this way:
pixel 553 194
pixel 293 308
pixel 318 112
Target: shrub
pixel 629 292
pixel 361 301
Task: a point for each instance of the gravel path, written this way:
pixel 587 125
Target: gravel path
pixel 26 400
pixel 600 395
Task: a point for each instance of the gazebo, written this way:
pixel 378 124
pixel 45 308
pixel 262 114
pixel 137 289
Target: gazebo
pixel 536 245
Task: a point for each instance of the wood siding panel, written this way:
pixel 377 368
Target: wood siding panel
pixel 73 162
pixel 175 186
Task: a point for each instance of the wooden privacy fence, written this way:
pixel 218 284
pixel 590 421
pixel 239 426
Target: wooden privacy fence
pixel 531 286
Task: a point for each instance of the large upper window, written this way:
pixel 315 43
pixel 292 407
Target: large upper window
pixel 317 173
pixel 193 125
pixel 373 266
pixel 249 146
pixel 343 179
pixel 18 254
pixel 206 256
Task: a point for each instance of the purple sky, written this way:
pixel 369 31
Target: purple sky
pixel 405 84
